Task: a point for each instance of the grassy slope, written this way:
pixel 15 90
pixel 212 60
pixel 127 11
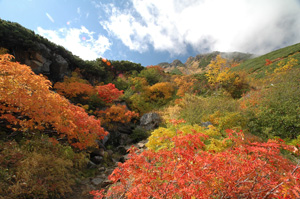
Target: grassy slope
pixel 256 67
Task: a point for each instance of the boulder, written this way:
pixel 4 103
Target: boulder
pixel 206 124
pixel 121 150
pixel 150 121
pixel 97 159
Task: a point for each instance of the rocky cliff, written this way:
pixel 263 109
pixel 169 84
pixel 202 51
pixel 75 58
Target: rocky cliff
pixel 43 56
pixel 44 61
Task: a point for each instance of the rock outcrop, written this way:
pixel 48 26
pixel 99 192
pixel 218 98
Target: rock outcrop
pixel 150 121
pixel 44 61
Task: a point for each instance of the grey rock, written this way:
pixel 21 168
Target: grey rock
pixel 100 144
pixel 85 181
pixel 124 139
pixel 106 183
pixel 97 159
pixel 110 152
pixel 150 121
pixel 105 139
pixel 141 145
pixel 206 124
pixel 101 169
pixel 97 181
pixel 59 67
pixel 121 150
pixel 91 165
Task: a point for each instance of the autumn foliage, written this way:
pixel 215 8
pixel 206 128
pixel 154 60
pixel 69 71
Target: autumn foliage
pixel 108 93
pixel 75 87
pixel 245 170
pixel 116 114
pixel 27 104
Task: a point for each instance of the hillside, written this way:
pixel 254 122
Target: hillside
pixel 199 63
pixel 231 132
pixel 259 66
pixel 52 60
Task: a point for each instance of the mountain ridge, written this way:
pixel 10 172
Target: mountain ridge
pixel 198 63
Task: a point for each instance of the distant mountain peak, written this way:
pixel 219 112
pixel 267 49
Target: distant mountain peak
pixel 199 63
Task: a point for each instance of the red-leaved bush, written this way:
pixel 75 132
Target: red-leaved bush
pixel 108 93
pixel 245 170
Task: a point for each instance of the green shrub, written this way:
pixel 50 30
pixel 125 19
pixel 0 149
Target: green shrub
pixel 278 113
pixel 139 134
pixel 152 75
pixel 38 168
pixel 194 108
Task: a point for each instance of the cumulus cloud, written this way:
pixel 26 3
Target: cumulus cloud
pixel 80 42
pixel 234 25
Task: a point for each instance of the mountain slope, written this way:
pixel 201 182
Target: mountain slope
pixel 198 63
pixel 258 66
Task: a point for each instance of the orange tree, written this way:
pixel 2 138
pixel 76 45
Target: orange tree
pixel 27 105
pixel 245 170
pixel 185 84
pixel 75 88
pixel 116 114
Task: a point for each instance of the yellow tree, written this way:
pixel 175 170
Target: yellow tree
pixel 160 92
pixel 218 71
pixel 219 76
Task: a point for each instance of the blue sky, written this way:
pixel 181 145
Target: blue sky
pixel 154 31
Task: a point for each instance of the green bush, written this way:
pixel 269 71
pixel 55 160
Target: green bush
pixel 139 134
pixel 38 168
pixel 278 113
pixel 152 75
pixel 196 109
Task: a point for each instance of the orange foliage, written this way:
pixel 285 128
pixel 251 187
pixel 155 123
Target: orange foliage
pixel 27 104
pixel 185 84
pixel 160 91
pixel 245 170
pixel 251 100
pixel 108 93
pixel 74 86
pixel 116 113
pixel 74 89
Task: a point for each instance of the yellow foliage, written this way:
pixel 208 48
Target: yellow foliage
pixel 283 67
pixel 161 138
pixel 160 91
pixel 170 112
pixel 215 68
pixel 138 83
pixel 217 145
pixel 227 120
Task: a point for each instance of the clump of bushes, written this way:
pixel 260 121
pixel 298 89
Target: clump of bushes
pixel 38 168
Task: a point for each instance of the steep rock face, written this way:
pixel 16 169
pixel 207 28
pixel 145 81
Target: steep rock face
pixel 43 61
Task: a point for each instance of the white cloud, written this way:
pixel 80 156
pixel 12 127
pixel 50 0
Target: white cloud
pixel 80 42
pixel 234 25
pixel 49 17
